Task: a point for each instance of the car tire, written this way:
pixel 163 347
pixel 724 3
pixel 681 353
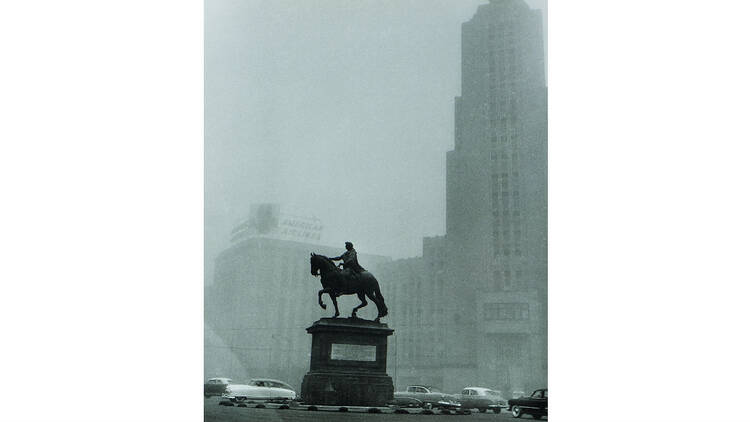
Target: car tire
pixel 516 411
pixel 496 410
pixel 482 409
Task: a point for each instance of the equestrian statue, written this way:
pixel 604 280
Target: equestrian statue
pixel 352 279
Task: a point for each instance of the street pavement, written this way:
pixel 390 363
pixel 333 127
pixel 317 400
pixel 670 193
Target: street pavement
pixel 213 412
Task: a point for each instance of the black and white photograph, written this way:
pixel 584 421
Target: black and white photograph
pixel 374 210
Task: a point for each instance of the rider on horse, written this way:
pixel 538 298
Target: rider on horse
pixel 350 260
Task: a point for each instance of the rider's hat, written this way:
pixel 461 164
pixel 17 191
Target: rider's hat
pixel 349 244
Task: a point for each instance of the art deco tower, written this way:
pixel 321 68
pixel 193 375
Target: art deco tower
pixel 496 224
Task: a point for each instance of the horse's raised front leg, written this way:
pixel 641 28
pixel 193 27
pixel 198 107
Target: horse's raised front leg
pixel 361 305
pixel 320 298
pixel 335 303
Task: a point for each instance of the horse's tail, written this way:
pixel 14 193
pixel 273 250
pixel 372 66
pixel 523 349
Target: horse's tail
pixel 380 301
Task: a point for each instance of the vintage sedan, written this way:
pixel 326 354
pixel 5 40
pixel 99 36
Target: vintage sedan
pixel 534 405
pixel 425 396
pixel 482 399
pixel 262 389
pixel 215 386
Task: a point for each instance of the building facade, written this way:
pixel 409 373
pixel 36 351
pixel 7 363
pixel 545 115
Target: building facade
pixel 475 304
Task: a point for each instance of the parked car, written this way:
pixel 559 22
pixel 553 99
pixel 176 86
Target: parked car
pixel 482 399
pixel 215 386
pixel 535 405
pixel 425 396
pixel 260 389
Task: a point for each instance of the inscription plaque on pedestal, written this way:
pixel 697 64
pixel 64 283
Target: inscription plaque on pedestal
pixel 358 352
pixel 348 363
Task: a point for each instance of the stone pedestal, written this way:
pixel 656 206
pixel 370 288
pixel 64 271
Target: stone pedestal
pixel 348 363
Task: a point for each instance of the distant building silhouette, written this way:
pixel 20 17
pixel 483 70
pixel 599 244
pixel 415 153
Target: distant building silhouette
pixel 473 309
pixel 263 297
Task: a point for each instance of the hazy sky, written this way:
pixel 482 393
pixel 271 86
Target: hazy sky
pixel 337 107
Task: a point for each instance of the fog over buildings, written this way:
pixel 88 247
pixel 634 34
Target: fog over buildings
pixel 342 109
pixel 333 123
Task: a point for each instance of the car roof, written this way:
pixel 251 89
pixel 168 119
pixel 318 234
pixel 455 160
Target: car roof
pixel 273 380
pixel 220 379
pixel 429 387
pixel 267 379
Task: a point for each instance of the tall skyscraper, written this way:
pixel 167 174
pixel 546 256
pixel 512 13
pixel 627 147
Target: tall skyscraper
pixel 496 228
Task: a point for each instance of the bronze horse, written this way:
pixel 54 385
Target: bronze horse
pixel 337 282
